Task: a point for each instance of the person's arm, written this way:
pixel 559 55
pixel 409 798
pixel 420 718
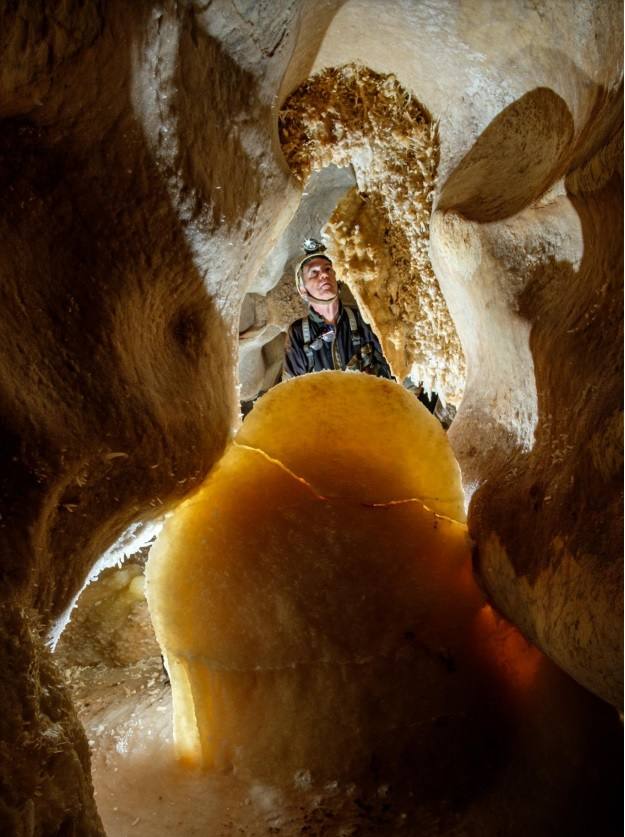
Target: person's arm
pixel 383 370
pixel 295 361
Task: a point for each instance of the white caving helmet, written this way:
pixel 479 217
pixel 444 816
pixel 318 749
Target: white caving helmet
pixel 313 249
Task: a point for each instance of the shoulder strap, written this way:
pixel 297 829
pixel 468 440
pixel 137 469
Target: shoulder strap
pixel 307 349
pixel 353 325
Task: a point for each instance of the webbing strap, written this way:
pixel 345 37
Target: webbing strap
pixel 353 325
pixel 306 335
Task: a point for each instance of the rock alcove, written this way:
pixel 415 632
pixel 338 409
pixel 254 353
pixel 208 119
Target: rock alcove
pixel 147 189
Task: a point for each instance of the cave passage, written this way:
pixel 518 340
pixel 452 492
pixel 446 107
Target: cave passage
pixel 341 657
pixel 378 233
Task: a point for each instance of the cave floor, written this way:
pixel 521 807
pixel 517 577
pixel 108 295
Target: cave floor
pixel 142 791
pixel 113 667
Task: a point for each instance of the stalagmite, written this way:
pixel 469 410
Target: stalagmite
pixel 289 650
pixel 312 580
pixel 358 439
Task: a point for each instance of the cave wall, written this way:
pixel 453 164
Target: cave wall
pixel 525 242
pixel 144 187
pixel 140 193
pixel 540 434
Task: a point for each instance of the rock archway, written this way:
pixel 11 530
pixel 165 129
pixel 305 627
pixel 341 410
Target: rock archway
pixel 379 233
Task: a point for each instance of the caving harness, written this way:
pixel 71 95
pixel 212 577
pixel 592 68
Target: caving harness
pixel 329 336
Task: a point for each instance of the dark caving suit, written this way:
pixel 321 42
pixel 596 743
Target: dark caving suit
pixel 313 345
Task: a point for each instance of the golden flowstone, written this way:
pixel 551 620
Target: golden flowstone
pixel 314 599
pixel 358 438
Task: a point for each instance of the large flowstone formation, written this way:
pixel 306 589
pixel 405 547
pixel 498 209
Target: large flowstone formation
pixel 292 591
pixel 319 617
pixel 317 610
pixel 144 190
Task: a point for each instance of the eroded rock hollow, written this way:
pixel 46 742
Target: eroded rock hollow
pixel 153 162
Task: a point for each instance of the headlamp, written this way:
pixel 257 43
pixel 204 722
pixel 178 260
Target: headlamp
pixel 311 245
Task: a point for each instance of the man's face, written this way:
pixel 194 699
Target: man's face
pixel 319 278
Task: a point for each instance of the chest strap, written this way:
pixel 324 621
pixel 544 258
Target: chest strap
pixel 306 335
pixel 353 326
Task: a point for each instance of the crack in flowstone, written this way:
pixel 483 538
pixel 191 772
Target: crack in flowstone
pixel 384 505
pixel 287 470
